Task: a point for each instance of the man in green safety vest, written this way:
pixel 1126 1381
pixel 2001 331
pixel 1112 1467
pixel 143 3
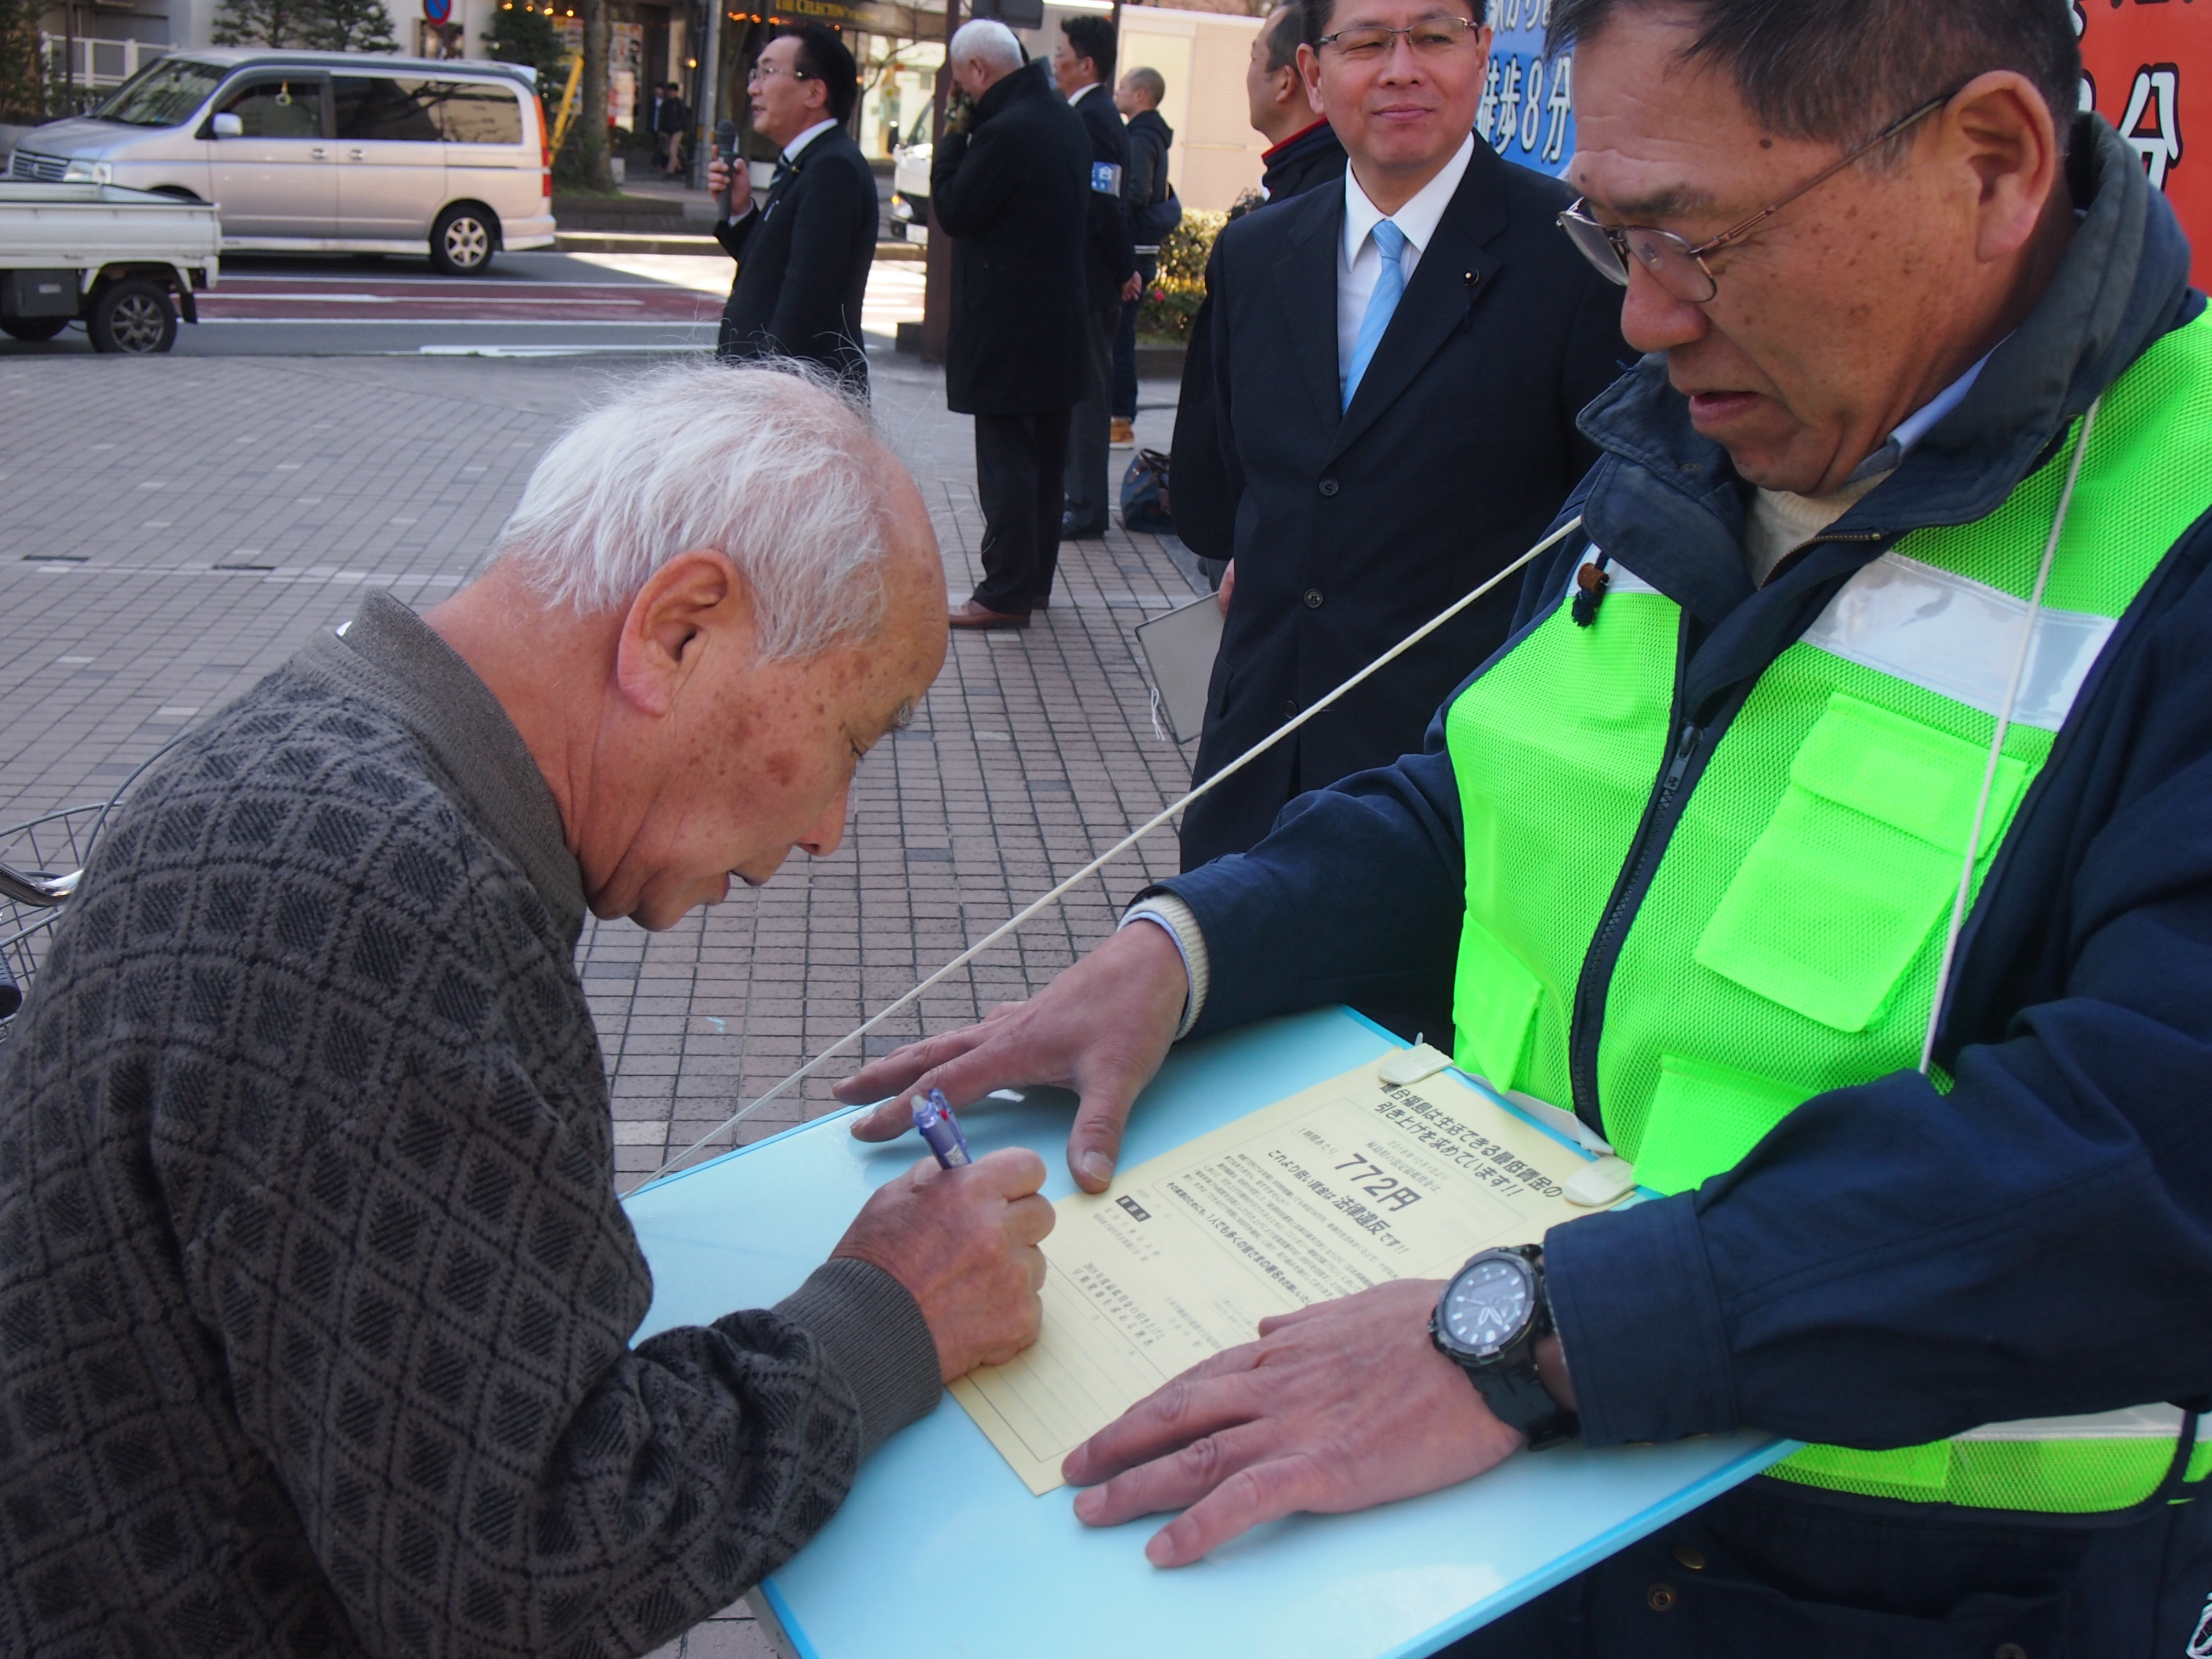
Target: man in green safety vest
pixel 1832 840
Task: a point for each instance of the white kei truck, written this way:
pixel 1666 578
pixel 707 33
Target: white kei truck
pixel 125 262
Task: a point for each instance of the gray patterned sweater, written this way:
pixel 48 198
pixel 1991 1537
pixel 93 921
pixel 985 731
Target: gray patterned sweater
pixel 315 1300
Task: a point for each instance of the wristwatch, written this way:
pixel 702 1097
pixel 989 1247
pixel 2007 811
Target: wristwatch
pixel 1488 1322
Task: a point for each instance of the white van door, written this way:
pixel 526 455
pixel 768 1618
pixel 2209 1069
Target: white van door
pixel 391 166
pixel 486 160
pixel 278 179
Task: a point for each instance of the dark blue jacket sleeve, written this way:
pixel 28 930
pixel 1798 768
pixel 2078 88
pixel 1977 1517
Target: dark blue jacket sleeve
pixel 1354 896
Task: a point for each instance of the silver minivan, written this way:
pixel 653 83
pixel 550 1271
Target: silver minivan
pixel 324 151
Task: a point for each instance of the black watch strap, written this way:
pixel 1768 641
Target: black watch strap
pixel 1517 1396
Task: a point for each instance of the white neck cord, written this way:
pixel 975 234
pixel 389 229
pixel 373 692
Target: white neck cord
pixel 1112 853
pixel 1996 743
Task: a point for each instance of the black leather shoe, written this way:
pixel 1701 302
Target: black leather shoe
pixel 1073 529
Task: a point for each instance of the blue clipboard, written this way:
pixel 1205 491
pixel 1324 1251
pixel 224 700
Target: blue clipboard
pixel 940 1552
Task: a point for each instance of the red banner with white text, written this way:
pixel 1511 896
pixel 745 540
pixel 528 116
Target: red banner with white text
pixel 2147 69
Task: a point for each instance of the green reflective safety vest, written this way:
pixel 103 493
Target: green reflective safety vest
pixel 1787 942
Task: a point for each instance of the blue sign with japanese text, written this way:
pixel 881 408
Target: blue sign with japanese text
pixel 1527 111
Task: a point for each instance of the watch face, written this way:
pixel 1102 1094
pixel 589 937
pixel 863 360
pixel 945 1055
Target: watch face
pixel 1489 1304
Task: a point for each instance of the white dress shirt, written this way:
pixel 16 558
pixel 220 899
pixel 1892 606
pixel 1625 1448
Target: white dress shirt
pixel 1359 262
pixel 790 155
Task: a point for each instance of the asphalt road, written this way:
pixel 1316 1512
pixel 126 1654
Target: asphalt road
pixel 528 305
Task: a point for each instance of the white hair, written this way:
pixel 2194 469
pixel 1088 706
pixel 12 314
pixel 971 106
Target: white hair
pixel 988 41
pixel 768 463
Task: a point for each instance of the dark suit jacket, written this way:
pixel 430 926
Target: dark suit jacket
pixel 1010 193
pixel 1203 517
pixel 803 264
pixel 1110 258
pixel 1351 528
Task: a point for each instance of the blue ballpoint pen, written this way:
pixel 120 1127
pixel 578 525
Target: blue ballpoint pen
pixel 933 1115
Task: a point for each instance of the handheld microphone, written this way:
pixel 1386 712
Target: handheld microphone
pixel 726 146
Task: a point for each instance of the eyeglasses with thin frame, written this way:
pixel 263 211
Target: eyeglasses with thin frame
pixel 769 71
pixel 1669 259
pixel 1432 37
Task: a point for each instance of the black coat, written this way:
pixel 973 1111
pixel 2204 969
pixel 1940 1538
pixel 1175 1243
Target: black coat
pixel 1312 157
pixel 1110 257
pixel 803 262
pixel 1350 528
pixel 1010 193
pixel 1295 165
pixel 1146 185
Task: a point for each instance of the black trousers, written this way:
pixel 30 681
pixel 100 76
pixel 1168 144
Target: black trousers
pixel 1089 427
pixel 1018 459
pixel 1125 344
pixel 1767 1571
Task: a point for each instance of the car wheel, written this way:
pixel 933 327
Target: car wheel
pixel 33 328
pixel 133 316
pixel 461 242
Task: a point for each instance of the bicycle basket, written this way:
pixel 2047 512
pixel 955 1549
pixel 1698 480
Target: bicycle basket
pixel 53 845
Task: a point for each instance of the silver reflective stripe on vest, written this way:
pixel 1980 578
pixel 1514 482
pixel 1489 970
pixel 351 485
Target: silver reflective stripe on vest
pixel 1959 638
pixel 2132 1422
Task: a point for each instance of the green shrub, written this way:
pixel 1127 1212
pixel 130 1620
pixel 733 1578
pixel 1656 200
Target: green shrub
pixel 1174 297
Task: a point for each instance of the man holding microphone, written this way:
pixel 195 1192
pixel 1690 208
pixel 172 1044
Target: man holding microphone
pixel 804 248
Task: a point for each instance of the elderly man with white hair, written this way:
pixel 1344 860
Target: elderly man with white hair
pixel 317 1299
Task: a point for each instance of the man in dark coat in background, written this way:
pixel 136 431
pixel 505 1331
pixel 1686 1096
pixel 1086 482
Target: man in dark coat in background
pixel 669 118
pixel 1393 419
pixel 803 255
pixel 1303 149
pixel 1009 183
pixel 1083 69
pixel 1154 215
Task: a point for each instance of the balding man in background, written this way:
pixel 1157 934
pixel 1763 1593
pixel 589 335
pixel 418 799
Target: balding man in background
pixel 1302 148
pixel 320 1298
pixel 1010 185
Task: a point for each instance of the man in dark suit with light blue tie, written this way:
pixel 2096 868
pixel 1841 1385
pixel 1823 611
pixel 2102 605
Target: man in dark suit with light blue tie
pixel 1397 362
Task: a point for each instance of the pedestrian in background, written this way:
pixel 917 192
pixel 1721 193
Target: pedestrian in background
pixel 803 254
pixel 1303 149
pixel 1010 183
pixel 1154 213
pixel 669 118
pixel 1082 65
pixel 1397 364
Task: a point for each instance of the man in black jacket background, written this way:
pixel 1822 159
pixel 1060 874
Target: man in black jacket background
pixel 1303 149
pixel 803 254
pixel 1009 183
pixel 1082 68
pixel 1153 214
pixel 1378 441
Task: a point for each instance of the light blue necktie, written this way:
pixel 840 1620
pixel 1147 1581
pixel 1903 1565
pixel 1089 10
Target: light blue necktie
pixel 1389 287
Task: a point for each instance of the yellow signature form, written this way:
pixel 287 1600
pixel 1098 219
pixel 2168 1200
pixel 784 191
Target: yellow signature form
pixel 1352 1183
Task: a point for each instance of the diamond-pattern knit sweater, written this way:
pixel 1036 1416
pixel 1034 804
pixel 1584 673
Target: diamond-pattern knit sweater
pixel 315 1298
